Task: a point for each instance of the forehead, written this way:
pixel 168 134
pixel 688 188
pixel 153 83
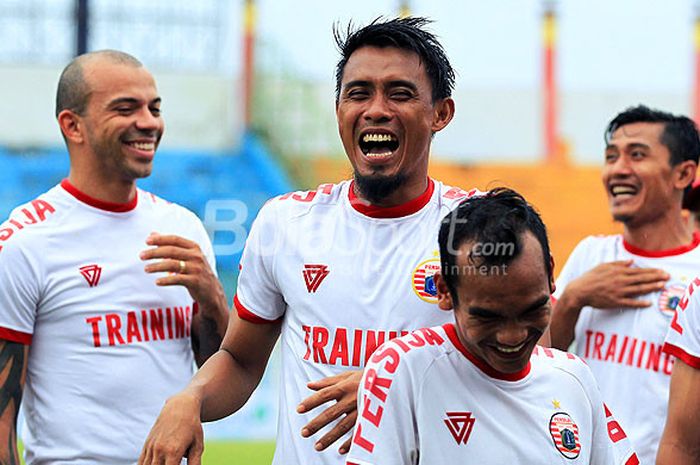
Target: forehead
pixel 372 63
pixel 649 133
pixel 108 80
pixel 504 288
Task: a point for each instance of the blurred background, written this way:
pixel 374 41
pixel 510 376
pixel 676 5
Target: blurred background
pixel 248 100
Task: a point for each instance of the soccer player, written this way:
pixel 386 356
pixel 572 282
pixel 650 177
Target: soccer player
pixel 478 390
pixel 616 294
pixel 93 331
pixel 339 270
pixel 680 443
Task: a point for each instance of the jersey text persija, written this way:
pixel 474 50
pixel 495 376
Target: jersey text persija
pixel 425 399
pixel 683 339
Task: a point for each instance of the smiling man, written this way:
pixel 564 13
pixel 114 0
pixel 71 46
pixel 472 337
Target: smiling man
pixel 478 390
pixel 339 270
pixel 616 295
pixel 93 342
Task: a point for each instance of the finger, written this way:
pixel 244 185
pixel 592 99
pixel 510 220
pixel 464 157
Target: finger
pixel 642 289
pixel 647 274
pixel 319 398
pixel 325 382
pixel 337 432
pixel 633 303
pixel 171 239
pixel 326 417
pixel 176 279
pixel 194 455
pixel 170 266
pixel 178 253
pixel 345 448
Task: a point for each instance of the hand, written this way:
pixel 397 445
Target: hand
pixel 343 389
pixel 177 433
pixel 187 266
pixel 616 285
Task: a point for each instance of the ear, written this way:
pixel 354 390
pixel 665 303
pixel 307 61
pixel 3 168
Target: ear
pixel 685 174
pixel 443 293
pixel 444 110
pixel 71 126
pixel 552 285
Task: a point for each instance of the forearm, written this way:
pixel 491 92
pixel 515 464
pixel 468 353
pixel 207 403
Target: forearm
pixel 209 327
pixel 564 317
pixel 674 453
pixel 12 372
pixel 8 455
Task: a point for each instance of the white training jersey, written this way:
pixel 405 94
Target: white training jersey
pixel 107 346
pixel 624 347
pixel 345 278
pixel 425 399
pixel 683 339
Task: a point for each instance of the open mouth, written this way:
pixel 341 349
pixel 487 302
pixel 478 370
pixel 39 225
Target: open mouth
pixel 623 190
pixel 375 144
pixel 510 352
pixel 143 146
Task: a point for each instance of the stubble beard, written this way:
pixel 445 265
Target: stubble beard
pixel 376 188
pixel 111 156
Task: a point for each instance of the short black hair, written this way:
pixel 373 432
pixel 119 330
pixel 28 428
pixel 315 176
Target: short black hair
pixel 680 133
pixel 404 33
pixel 499 217
pixel 73 91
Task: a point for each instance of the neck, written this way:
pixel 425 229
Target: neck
pixel 664 234
pixel 407 192
pixel 107 190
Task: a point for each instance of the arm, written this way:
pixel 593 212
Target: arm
pixel 188 266
pixel 220 387
pixel 680 443
pixel 610 285
pixel 13 370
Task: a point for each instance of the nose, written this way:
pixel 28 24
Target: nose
pixel 620 167
pixel 377 110
pixel 148 121
pixel 512 334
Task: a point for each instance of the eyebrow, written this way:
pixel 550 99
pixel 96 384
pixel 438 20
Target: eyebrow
pixel 396 83
pixel 633 145
pixel 486 313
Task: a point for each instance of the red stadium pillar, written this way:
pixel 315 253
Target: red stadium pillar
pixel 248 61
pixel 696 85
pixel 404 8
pixel 549 85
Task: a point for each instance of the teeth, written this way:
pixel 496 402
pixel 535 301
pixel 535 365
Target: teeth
pixel 617 190
pixel 509 350
pixel 147 146
pixel 377 138
pixel 378 155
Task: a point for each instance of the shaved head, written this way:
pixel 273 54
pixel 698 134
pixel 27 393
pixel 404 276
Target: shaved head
pixel 73 90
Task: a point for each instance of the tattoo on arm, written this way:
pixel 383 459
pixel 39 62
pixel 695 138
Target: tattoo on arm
pixel 206 342
pixel 12 372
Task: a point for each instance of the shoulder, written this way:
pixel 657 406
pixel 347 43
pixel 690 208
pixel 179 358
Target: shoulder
pixel 414 352
pixel 33 219
pixel 450 197
pixel 301 202
pixel 566 364
pixel 600 242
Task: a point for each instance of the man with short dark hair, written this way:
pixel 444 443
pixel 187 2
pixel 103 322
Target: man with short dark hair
pixel 616 294
pixel 339 270
pixel 478 390
pixel 109 342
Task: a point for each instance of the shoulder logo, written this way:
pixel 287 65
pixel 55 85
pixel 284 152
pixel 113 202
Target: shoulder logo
pixel 423 279
pixel 670 298
pixel 314 276
pixel 91 273
pixel 460 425
pixel 564 433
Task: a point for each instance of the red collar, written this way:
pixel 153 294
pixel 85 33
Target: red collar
pixel 101 204
pixel 408 208
pixel 662 253
pixel 480 364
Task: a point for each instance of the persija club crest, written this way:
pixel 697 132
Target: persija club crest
pixel 670 297
pixel 564 433
pixel 424 282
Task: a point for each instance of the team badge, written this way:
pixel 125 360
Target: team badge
pixel 91 273
pixel 670 297
pixel 565 435
pixel 460 425
pixel 424 280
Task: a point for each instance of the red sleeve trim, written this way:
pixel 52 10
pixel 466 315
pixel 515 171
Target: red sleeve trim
pixel 195 308
pixel 633 460
pixel 15 336
pixel 247 315
pixel 681 354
